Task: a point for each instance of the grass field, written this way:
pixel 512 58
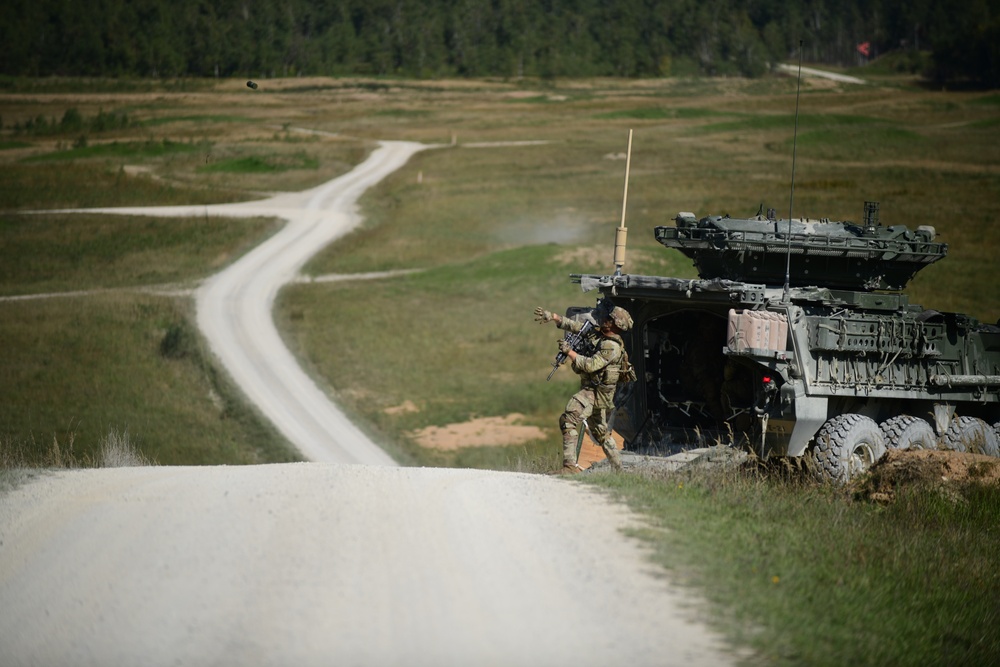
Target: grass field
pixel 811 574
pixel 523 188
pixel 104 355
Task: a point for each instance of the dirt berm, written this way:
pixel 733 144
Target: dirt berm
pixel 902 468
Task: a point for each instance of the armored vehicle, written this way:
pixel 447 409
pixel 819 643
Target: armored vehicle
pixel 796 339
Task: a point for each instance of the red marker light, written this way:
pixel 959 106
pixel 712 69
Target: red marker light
pixel 767 379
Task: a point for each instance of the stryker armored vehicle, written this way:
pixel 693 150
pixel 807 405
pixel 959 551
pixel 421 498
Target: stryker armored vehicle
pixel 797 340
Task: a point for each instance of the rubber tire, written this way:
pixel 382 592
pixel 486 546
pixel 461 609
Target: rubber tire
pixel 846 446
pixel 973 435
pixel 907 432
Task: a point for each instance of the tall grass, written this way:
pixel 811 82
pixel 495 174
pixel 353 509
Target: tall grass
pixel 23 460
pixel 117 451
pixel 114 450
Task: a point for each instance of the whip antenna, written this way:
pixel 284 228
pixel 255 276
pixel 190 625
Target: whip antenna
pixel 621 234
pixel 791 196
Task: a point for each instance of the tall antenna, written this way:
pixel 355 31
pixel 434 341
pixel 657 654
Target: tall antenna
pixel 791 196
pixel 621 234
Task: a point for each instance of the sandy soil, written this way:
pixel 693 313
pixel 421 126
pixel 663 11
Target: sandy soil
pixel 921 465
pixel 480 432
pixel 496 432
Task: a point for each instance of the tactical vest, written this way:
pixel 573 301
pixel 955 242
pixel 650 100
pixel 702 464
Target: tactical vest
pixel 608 376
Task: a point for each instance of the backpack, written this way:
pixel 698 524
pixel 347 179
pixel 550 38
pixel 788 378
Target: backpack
pixel 626 371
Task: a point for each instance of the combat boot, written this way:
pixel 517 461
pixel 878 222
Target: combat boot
pixel 569 469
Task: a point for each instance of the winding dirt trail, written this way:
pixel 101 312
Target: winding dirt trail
pixel 234 306
pixel 234 312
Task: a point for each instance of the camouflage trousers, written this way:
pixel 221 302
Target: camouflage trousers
pixel 581 407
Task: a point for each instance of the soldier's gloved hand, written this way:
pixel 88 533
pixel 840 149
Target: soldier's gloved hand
pixel 542 316
pixel 564 346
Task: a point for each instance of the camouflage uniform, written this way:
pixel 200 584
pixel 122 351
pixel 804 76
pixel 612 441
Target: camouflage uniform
pixel 595 400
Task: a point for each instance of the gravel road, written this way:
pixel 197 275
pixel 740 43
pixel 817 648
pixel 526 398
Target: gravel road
pixel 345 560
pixel 330 564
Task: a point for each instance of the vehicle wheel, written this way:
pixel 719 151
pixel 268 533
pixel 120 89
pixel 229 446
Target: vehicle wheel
pixel 969 434
pixel 846 446
pixel 906 432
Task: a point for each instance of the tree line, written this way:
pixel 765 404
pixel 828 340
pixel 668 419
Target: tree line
pixel 503 38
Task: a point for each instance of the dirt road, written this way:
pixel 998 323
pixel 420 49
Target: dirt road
pixel 234 312
pixel 332 562
pixel 822 74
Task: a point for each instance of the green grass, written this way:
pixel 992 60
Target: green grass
pixel 993 99
pixel 403 113
pixel 445 324
pixel 80 185
pixel 871 144
pixel 110 358
pixel 987 124
pixel 61 253
pixel 807 575
pixel 197 119
pixel 759 122
pixel 661 113
pixel 130 150
pixel 75 368
pixel 258 165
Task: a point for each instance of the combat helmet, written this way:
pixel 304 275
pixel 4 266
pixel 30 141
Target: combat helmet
pixel 621 318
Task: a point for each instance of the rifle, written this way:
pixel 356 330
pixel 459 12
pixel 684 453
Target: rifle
pixel 576 342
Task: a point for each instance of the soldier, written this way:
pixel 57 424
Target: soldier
pixel 599 376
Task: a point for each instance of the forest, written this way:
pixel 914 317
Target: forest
pixel 947 42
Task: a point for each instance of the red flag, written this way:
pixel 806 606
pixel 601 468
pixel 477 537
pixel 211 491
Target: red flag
pixel 865 48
